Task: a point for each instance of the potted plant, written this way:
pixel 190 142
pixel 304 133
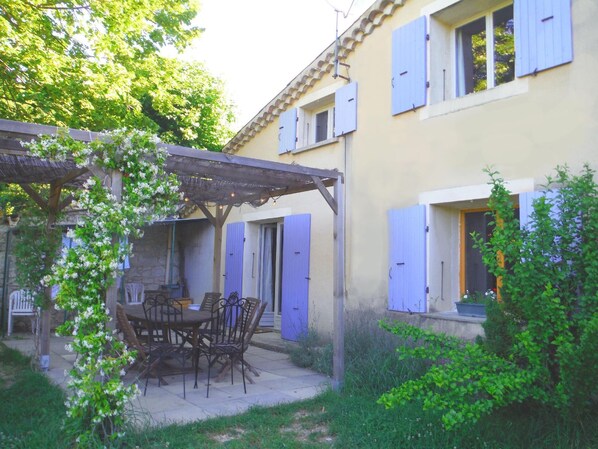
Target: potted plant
pixel 474 303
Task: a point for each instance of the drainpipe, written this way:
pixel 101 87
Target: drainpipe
pixel 172 244
pixel 5 279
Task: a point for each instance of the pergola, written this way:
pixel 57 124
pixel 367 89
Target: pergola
pixel 215 182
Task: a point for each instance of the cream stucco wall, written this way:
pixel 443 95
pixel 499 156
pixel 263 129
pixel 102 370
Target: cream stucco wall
pixel 523 129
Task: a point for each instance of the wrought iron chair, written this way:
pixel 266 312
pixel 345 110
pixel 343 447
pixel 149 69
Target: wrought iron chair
pixel 209 300
pixel 258 309
pixel 228 328
pixel 166 340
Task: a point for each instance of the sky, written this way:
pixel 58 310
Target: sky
pixel 258 46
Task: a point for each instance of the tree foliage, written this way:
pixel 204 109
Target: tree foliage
pixel 35 251
pixel 96 65
pixel 542 336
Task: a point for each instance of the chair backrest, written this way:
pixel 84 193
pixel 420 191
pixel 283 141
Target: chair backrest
pixel 129 335
pixel 209 298
pixel 21 303
pixel 134 293
pixel 163 316
pixel 254 322
pixel 253 305
pixel 229 322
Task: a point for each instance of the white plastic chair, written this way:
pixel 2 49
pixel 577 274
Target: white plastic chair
pixel 134 293
pixel 20 303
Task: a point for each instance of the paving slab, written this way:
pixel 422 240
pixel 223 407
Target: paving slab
pixel 279 382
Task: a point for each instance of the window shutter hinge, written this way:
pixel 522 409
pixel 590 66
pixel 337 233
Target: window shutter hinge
pixel 427 83
pixel 427 36
pixel 427 289
pixel 427 228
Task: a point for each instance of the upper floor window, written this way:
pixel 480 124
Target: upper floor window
pixel 460 47
pixel 485 51
pixel 322 127
pixel 316 122
pixel 318 119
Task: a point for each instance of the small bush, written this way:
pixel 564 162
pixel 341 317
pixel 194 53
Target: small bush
pixel 306 353
pixel 371 359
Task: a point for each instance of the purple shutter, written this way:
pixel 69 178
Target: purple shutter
pixel 295 276
pixel 543 35
pixel 287 131
pixel 345 109
pixel 233 265
pixel 409 66
pixel 407 271
pixel 526 206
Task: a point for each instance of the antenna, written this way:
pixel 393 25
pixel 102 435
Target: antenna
pixel 336 39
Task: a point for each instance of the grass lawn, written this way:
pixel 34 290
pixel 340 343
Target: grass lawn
pixel 31 412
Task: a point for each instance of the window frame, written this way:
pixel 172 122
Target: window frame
pixel 463 248
pixel 444 17
pixel 488 16
pixel 307 131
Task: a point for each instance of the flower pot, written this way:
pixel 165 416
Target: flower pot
pixel 471 309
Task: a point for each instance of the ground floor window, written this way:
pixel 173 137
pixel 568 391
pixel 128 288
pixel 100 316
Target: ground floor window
pixel 474 274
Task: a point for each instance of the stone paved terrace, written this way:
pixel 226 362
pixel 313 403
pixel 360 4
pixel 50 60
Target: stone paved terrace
pixel 279 382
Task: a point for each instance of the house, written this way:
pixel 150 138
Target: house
pixel 418 103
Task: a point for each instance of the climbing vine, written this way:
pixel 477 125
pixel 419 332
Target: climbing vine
pixel 85 271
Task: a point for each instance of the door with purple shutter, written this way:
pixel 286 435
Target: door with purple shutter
pixel 233 265
pixel 407 262
pixel 526 206
pixel 295 276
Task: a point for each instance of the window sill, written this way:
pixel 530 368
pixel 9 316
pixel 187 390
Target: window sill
pixel 516 87
pixel 313 146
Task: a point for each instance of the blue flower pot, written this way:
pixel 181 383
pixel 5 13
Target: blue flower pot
pixel 471 309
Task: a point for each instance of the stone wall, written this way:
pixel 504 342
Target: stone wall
pixel 191 263
pixel 148 264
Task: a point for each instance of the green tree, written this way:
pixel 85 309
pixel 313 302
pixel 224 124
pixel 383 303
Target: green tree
pixel 94 65
pixel 186 103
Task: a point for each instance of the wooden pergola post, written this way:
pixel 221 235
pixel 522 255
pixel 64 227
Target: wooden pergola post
pixel 338 357
pixel 46 317
pixel 218 222
pixel 116 186
pixel 52 206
